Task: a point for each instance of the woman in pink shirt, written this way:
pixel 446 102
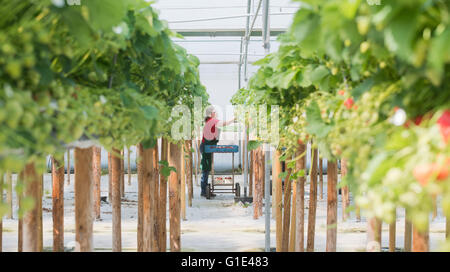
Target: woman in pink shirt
pixel 210 137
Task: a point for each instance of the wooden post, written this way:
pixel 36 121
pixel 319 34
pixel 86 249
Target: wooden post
pixel 174 197
pixel 150 177
pixel 140 173
pixel 9 194
pixel 286 212
pixel 373 235
pixel 408 233
pixel 129 165
pixel 255 185
pixel 259 181
pixel 58 204
pixel 312 202
pixel 163 200
pixel 20 216
pixel 194 157
pixel 262 174
pixel 392 229
pixel 84 186
pixel 274 191
pixel 109 177
pixel 31 218
pixel 331 207
pixel 97 170
pixel 299 199
pixel 420 240
pixel 40 221
pixel 1 217
pixel 277 183
pixel 198 161
pixel 296 206
pixel 251 173
pixel 154 194
pixel 297 243
pixel 183 181
pixel 321 178
pixel 189 172
pixel 115 203
pixel 122 173
pixel 68 166
pixel 345 193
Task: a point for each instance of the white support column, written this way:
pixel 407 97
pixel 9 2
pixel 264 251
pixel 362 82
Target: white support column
pixel 266 41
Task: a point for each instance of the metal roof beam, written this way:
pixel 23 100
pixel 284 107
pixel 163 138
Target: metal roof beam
pixel 226 33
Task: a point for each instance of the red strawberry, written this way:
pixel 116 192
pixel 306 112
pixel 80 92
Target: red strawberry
pixel 444 120
pixel 445 132
pixel 349 103
pixel 341 92
pixel 423 173
pixel 444 125
pixel 418 120
pixel 442 170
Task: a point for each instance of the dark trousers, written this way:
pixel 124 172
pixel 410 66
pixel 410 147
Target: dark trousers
pixel 204 181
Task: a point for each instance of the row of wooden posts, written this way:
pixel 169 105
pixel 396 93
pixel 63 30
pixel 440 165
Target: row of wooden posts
pixel 288 206
pixel 153 191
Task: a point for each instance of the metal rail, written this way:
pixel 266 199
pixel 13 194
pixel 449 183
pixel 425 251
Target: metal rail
pixel 228 17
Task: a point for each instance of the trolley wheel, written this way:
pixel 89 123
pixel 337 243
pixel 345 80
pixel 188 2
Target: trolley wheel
pixel 208 191
pixel 237 190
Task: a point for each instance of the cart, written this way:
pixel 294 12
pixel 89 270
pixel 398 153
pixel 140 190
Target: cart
pixel 222 185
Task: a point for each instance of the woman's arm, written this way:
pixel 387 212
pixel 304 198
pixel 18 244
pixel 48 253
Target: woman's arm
pixel 225 123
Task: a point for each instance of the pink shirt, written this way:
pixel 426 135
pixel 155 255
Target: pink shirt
pixel 209 130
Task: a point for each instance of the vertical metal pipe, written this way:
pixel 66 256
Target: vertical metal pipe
pixel 246 164
pixel 266 26
pixel 240 63
pixel 247 37
pixel 266 40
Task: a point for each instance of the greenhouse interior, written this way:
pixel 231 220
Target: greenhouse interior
pixel 225 126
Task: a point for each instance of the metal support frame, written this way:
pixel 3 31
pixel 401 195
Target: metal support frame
pixel 266 40
pixel 239 32
pixel 246 164
pixel 227 17
pixel 248 31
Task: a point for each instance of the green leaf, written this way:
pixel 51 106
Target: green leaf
pixel 105 14
pixel 305 79
pixel 365 86
pixel 315 124
pixel 283 175
pixel 252 145
pixel 150 112
pixel 78 26
pixel 149 143
pixel 291 165
pixel 439 55
pixel 144 22
pixel 400 32
pixel 319 73
pixel 163 163
pixel 126 100
pixel 165 171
